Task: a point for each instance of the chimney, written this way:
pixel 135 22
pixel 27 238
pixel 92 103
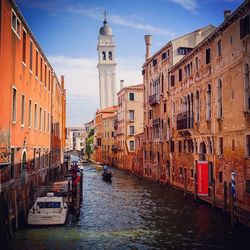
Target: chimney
pixel 227 14
pixel 121 84
pixel 148 39
pixel 62 82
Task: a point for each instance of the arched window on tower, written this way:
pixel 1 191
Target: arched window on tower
pixel 104 56
pixel 110 55
pixel 247 87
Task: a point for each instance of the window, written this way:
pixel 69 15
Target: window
pixel 219 48
pixel 180 146
pixel 183 50
pixel 164 55
pixel 244 26
pixel 197 106
pixel 131 96
pixel 29 118
pixel 45 75
pixel 172 80
pixel 16 24
pixel 35 116
pixel 22 109
pixel 36 63
pixel 196 63
pixel 208 58
pixel 131 115
pixel 247 87
pixel 180 74
pixel 131 130
pixel 110 55
pixel 48 126
pixel 154 62
pixel 104 55
pixel 31 54
pixel 41 69
pixel 13 105
pixel 165 107
pixel 49 82
pixel 209 102
pixel 220 176
pixel 131 145
pixel 40 119
pixel 233 145
pixel 247 145
pixel 24 46
pixel 219 99
pixel 44 120
pixel 220 146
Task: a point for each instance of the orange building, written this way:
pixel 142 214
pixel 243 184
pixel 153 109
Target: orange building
pixel 32 118
pixel 103 139
pixel 210 120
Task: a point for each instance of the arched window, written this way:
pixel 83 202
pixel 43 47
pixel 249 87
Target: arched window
pixel 110 55
pixel 209 102
pixel 104 56
pixel 219 99
pixel 197 106
pixel 247 87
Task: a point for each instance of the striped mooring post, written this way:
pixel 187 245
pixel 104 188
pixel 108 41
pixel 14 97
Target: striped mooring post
pixel 233 196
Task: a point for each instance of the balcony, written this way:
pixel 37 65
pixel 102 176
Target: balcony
pixel 184 122
pixel 154 99
pixel 115 124
pixel 114 149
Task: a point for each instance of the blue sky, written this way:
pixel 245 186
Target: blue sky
pixel 67 30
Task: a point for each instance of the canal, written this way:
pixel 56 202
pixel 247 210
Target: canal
pixel 132 213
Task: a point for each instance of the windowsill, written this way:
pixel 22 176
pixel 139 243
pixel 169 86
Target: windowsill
pixel 22 125
pixel 208 120
pixel 36 77
pixel 16 33
pixel 24 64
pixel 13 122
pixel 31 72
pixel 219 118
pixel 246 111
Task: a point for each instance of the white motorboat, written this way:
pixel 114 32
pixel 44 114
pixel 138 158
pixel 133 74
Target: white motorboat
pixel 48 210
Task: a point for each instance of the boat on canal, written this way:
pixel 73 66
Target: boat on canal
pixel 107 174
pixel 48 210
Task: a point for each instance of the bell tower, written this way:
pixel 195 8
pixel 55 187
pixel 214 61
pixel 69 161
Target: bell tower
pixel 106 66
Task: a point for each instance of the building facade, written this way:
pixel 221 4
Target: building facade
pixel 103 134
pixel 209 112
pixel 157 83
pixel 129 123
pixel 32 122
pixel 106 66
pixel 76 138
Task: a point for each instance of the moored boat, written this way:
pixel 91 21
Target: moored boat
pixel 48 210
pixel 106 175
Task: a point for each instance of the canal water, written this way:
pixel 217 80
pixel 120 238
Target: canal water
pixel 132 213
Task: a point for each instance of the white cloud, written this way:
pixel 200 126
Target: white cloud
pixel 82 85
pixel 190 5
pixel 95 13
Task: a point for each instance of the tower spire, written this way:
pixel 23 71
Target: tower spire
pixel 105 16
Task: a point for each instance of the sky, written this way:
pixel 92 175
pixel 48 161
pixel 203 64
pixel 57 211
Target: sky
pixel 67 31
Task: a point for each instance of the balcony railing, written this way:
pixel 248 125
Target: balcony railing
pixel 154 99
pixel 114 148
pixel 184 121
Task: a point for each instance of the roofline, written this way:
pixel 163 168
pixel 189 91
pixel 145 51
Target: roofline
pixel 138 86
pixel 173 40
pixel 21 17
pixel 214 34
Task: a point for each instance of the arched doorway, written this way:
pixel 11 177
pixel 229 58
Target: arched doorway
pixel 24 167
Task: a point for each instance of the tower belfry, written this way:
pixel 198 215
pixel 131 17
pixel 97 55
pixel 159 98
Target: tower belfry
pixel 106 65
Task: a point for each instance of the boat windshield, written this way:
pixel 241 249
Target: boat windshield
pixel 49 204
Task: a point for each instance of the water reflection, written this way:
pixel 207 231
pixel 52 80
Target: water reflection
pixel 132 213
